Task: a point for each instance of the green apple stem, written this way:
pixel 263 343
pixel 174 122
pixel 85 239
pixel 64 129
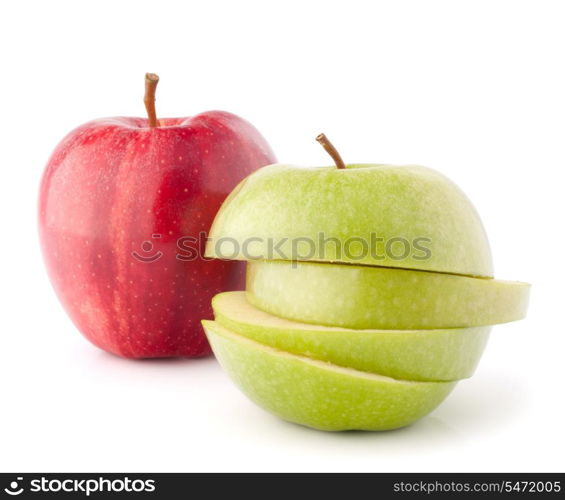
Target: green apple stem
pixel 151 81
pixel 331 150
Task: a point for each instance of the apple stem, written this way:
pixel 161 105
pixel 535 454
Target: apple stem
pixel 151 81
pixel 331 150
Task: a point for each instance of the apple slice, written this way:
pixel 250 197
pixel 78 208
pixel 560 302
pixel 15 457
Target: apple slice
pixel 376 215
pixel 318 394
pixel 424 355
pixel 364 297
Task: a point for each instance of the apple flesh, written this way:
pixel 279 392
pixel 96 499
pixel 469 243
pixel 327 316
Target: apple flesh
pixel 115 187
pixel 362 297
pixel 423 355
pixel 394 211
pixel 320 395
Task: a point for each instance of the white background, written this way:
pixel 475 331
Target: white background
pixel 474 89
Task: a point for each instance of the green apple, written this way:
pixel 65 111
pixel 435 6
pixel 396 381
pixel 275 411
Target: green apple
pixel 318 394
pixel 377 215
pixel 364 297
pixel 424 355
pixel 370 292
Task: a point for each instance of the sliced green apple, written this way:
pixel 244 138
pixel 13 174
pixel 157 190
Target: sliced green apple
pixel 363 297
pixel 378 215
pixel 318 394
pixel 424 355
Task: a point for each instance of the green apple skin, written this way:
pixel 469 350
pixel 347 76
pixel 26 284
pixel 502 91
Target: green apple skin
pixel 364 297
pixel 282 203
pixel 318 394
pixel 422 355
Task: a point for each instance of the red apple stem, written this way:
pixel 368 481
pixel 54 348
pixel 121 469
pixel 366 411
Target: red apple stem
pixel 331 150
pixel 151 81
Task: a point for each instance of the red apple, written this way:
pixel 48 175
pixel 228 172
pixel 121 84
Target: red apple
pixel 122 202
